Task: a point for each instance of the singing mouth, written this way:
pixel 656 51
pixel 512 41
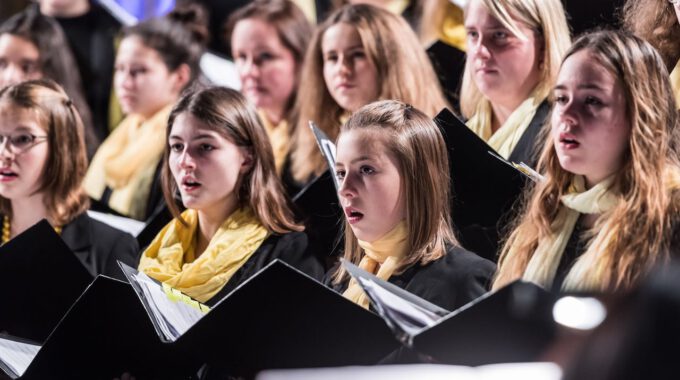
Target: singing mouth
pixel 353 215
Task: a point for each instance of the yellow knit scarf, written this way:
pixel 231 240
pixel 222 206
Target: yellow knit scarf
pixel 382 257
pixel 126 162
pixel 508 135
pixel 544 263
pixel 170 257
pixel 279 137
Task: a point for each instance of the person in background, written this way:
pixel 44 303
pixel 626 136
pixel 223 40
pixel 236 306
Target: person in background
pixel 157 59
pixel 514 49
pixel 268 43
pixel 609 208
pixel 360 54
pixel 42 165
pixel 33 46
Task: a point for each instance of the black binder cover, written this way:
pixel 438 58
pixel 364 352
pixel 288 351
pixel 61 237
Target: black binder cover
pixel 279 318
pixel 42 278
pixel 484 188
pixel 318 206
pixel 513 324
pixel 449 64
pixel 159 219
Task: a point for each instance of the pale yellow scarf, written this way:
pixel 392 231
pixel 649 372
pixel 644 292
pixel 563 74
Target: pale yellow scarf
pixel 170 257
pixel 381 258
pixel 508 135
pixel 126 162
pixel 675 83
pixel 279 137
pixel 544 263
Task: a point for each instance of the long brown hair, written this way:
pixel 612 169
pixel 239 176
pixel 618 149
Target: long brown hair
pixel 415 141
pixel 656 22
pixel 66 164
pixel 404 72
pixel 641 224
pixel 228 113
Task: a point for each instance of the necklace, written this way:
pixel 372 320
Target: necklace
pixel 6 229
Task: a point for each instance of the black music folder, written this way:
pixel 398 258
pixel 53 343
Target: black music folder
pixel 513 324
pixel 279 318
pixel 449 65
pixel 43 278
pixel 485 188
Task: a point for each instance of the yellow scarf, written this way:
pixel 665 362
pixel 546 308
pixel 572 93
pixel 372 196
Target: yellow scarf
pixel 544 263
pixel 126 162
pixel 675 83
pixel 508 135
pixel 279 137
pixel 170 257
pixel 382 257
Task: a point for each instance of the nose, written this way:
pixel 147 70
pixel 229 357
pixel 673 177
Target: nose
pixel 249 69
pixel 5 149
pixel 479 48
pixel 567 115
pixel 186 161
pixel 347 189
pixel 11 75
pixel 345 66
pixel 124 79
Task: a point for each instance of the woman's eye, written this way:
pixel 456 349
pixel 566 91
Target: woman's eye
pixel 330 57
pixel 340 174
pixel 206 147
pixel 176 147
pixel 561 99
pixel 500 35
pixel 366 170
pixel 593 101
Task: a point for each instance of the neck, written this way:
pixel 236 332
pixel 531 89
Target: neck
pixel 501 112
pixel 78 8
pixel 209 221
pixel 32 211
pixel 273 115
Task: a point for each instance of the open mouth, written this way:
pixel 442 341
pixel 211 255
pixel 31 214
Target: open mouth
pixel 7 174
pixel 353 215
pixel 568 142
pixel 190 184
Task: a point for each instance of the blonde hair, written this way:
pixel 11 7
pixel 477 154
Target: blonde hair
pixel 415 141
pixel 656 22
pixel 404 73
pixel 227 112
pixel 66 163
pixel 641 224
pixel 547 19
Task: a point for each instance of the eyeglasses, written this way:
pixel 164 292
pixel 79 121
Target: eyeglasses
pixel 21 142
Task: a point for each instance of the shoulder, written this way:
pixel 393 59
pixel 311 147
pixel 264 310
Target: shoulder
pixel 290 242
pixel 459 269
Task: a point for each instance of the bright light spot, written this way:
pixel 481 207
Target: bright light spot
pixel 579 313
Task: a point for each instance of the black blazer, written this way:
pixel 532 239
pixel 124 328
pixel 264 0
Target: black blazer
pixel 526 149
pixel 450 282
pixel 99 246
pixel 290 248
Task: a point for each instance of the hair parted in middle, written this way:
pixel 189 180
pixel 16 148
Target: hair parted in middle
pixel 640 225
pixel 228 113
pixel 547 19
pixel 414 140
pixel 63 173
pixel 405 73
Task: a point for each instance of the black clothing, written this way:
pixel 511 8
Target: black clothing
pixel 450 282
pixel 528 147
pixel 99 246
pixel 290 248
pixel 91 38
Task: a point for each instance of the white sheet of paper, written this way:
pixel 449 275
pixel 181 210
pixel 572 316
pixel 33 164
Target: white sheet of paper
pixel 131 226
pixel 174 317
pixel 16 355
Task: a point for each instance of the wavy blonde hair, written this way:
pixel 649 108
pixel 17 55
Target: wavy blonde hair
pixel 404 73
pixel 641 225
pixel 414 140
pixel 547 19
pixel 656 22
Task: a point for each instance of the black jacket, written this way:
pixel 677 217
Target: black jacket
pixel 290 248
pixel 450 282
pixel 99 246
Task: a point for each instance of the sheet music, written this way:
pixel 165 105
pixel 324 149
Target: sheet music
pixel 131 226
pixel 328 149
pixel 410 317
pixel 522 168
pixel 175 317
pixel 17 355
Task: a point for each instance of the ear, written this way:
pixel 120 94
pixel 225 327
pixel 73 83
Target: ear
pixel 248 160
pixel 182 76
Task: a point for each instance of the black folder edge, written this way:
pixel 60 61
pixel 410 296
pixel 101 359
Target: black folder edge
pixel 325 144
pixel 402 335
